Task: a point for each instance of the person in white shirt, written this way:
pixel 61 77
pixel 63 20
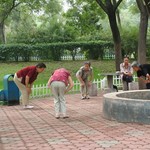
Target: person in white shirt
pixel 126 73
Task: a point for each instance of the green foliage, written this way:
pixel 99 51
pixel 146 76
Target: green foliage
pixel 130 41
pixel 50 51
pixel 85 17
pixel 34 22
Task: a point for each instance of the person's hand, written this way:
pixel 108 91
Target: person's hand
pixel 147 81
pixel 48 86
pixel 29 90
pixel 82 84
pixel 89 83
pixel 65 91
pixel 147 77
pixel 130 74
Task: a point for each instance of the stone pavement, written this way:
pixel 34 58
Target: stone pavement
pixel 86 129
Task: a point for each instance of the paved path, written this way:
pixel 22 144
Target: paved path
pixel 86 129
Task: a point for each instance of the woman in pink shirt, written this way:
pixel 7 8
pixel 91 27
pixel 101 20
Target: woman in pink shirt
pixel 60 83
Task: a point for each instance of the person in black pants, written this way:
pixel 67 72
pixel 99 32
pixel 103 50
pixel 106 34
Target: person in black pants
pixel 143 72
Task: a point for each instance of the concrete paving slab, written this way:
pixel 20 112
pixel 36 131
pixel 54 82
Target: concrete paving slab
pixel 85 129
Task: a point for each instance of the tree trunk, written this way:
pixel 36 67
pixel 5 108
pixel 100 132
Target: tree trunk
pixel 147 2
pixel 142 32
pixel 142 36
pixel 2 33
pixel 110 10
pixel 116 38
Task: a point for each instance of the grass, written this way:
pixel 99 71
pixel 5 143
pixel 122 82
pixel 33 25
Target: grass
pixel 98 68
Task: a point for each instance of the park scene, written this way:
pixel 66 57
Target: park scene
pixel 74 75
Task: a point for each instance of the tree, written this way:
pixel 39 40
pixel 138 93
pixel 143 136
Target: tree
pixel 21 25
pixel 110 9
pixel 142 32
pixel 129 41
pixel 6 6
pixel 36 22
pixel 142 35
pixel 147 2
pixel 85 17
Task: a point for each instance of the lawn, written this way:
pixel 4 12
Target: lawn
pixel 98 67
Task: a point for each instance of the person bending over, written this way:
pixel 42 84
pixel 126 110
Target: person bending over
pixel 24 79
pixel 143 72
pixel 85 76
pixel 60 83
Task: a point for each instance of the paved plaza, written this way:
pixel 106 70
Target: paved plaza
pixel 85 129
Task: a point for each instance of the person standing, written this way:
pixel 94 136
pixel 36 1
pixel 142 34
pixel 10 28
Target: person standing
pixel 24 79
pixel 60 83
pixel 126 73
pixel 85 76
pixel 143 72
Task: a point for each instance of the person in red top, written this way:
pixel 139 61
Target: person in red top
pixel 60 83
pixel 24 79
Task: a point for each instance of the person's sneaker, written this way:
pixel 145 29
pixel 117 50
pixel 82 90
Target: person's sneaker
pixel 64 117
pixel 83 97
pixel 28 107
pixel 57 116
pixel 87 97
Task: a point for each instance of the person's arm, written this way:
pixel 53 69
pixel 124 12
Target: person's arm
pixel 27 84
pixel 121 68
pixel 130 73
pixel 91 76
pixel 146 74
pixel 49 81
pixel 80 80
pixel 142 78
pixel 78 75
pixel 29 75
pixel 70 86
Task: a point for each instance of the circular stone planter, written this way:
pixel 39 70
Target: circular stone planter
pixel 127 106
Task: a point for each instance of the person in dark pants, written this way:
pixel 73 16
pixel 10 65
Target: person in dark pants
pixel 143 72
pixel 126 73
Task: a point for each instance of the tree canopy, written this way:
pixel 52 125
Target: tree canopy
pixel 46 21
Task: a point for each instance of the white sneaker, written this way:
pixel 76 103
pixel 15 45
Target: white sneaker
pixel 83 97
pixel 57 116
pixel 28 107
pixel 87 97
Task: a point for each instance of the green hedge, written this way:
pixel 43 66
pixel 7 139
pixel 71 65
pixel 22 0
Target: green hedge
pixel 51 51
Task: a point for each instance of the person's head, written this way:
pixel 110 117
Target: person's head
pixel 87 65
pixel 40 67
pixel 126 59
pixel 135 65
